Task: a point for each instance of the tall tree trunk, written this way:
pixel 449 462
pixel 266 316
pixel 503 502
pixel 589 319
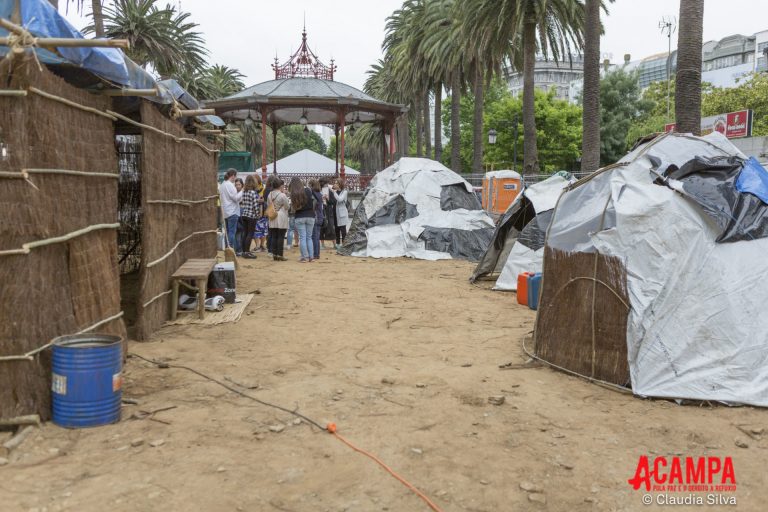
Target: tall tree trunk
pixel 439 122
pixel 477 128
pixel 688 81
pixel 427 135
pixel 590 141
pixel 419 128
pixel 456 122
pixel 98 18
pixel 530 151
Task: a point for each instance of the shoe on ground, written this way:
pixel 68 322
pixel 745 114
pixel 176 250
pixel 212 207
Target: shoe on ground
pixel 249 255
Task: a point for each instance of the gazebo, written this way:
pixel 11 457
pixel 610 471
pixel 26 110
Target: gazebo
pixel 304 92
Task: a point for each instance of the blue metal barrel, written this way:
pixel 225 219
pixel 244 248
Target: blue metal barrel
pixel 87 380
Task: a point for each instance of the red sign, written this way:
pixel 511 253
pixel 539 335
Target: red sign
pixel 733 125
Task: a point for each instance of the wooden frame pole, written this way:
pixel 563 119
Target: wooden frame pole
pixel 341 167
pixel 264 143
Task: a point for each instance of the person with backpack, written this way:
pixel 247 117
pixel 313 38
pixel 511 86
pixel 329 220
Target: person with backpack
pixel 304 205
pixel 277 212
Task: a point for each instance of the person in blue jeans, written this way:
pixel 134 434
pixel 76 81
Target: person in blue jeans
pixel 303 200
pixel 230 205
pixel 314 186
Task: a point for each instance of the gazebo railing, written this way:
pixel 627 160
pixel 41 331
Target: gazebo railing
pixel 354 182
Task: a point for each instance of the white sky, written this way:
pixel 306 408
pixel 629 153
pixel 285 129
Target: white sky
pixel 246 34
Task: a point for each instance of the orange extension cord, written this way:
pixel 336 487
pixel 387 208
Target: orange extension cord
pixel 331 428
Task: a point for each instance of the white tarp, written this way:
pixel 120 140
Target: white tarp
pixel 543 196
pixel 696 328
pixel 419 182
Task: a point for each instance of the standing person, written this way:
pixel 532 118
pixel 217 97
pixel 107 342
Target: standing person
pixel 267 191
pixel 328 231
pixel 279 225
pixel 314 186
pixel 262 223
pixel 250 210
pixel 303 202
pixel 240 226
pixel 230 204
pixel 340 193
pixel 292 224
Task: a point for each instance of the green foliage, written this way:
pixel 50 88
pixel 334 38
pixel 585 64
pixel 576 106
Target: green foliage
pixel 558 129
pixel 752 93
pixel 654 118
pixel 291 139
pixel 620 107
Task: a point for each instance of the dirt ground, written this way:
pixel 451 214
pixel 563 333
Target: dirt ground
pixel 402 355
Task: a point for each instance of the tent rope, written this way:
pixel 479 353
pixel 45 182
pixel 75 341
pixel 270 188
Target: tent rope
pixel 30 355
pixel 71 103
pixel 168 254
pixel 156 297
pixel 183 202
pixel 161 132
pixel 27 247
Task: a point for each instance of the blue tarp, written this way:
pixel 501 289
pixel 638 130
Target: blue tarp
pixel 753 179
pixel 41 19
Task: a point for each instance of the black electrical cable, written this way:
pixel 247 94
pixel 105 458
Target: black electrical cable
pixel 230 388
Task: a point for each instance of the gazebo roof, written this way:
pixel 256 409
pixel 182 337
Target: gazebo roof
pixel 318 100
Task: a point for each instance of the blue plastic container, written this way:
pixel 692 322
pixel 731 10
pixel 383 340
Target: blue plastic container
pixel 87 380
pixel 534 289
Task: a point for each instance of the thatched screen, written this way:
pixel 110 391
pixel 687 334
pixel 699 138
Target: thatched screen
pixel 61 287
pixel 581 323
pixel 179 190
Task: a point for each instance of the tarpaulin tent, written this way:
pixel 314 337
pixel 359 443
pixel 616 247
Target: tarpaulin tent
pixel 518 242
pixel 654 274
pixel 421 209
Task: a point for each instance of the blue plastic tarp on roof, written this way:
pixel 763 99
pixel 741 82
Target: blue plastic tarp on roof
pixel 41 19
pixel 753 179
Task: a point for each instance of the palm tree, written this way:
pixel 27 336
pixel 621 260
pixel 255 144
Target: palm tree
pixel 159 37
pixel 550 27
pixel 590 120
pixel 688 80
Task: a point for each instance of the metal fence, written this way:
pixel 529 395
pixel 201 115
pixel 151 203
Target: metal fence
pixel 476 179
pixel 354 182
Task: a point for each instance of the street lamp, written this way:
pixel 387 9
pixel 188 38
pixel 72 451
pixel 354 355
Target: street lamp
pixel 493 134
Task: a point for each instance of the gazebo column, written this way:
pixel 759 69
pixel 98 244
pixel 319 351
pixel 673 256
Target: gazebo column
pixel 392 142
pixel 274 148
pixel 336 143
pixel 264 143
pixel 341 167
pixel 384 163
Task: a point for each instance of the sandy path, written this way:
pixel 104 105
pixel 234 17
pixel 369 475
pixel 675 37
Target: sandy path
pixel 402 355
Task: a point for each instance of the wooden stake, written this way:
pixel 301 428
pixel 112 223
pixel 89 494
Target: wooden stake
pixel 31 419
pixel 19 438
pixel 198 112
pixel 130 92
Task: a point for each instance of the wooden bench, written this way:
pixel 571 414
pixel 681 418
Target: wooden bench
pixel 192 269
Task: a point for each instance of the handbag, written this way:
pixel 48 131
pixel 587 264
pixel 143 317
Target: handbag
pixel 271 212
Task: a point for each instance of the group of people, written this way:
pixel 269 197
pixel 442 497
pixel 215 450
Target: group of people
pixel 255 212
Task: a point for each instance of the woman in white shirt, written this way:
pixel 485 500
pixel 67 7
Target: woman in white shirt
pixel 342 215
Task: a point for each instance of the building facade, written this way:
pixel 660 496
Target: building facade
pixel 547 74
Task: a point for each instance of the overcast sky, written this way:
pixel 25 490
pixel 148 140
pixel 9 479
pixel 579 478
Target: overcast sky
pixel 247 34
